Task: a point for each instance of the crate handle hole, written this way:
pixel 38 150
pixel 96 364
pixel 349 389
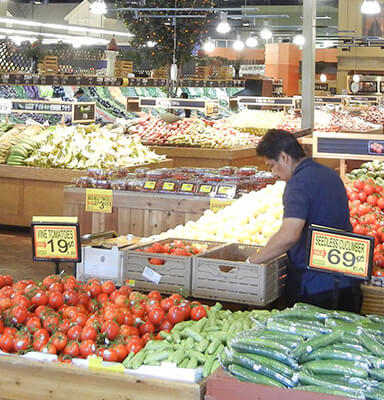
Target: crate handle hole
pixel 156 261
pixel 225 269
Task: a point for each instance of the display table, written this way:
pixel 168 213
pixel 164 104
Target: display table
pixel 142 214
pixel 29 191
pixel 30 380
pixel 211 158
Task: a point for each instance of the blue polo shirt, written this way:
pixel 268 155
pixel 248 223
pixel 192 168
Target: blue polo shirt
pixel 317 195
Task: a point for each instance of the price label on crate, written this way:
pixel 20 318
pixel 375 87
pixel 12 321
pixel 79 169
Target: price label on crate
pixel 151 275
pixel 218 204
pixel 98 200
pixel 339 252
pixel 187 187
pixel 205 189
pixel 150 185
pixel 56 239
pixel 168 186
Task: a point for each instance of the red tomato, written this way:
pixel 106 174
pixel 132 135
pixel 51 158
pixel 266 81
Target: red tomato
pixel 372 200
pixel 50 279
pixel 175 315
pixel 74 332
pixel 33 323
pixel 121 352
pixel 51 323
pixel 56 287
pixel 186 308
pixel 380 202
pixel 108 287
pixel 41 334
pixel 134 344
pixel 48 348
pixel 177 298
pixel 19 314
pixel 88 333
pixel 1 326
pixel 56 300
pixel 368 188
pixel 64 325
pixel 198 313
pixel 358 184
pixel 362 196
pixel 102 298
pixel 111 329
pixel 7 343
pixel 87 348
pixel 71 297
pixel 72 349
pixel 128 318
pixel 22 301
pixel 166 304
pixel 154 295
pixel 110 355
pixel 147 337
pixel 59 340
pixel 39 298
pixel 165 326
pixel 156 316
pixel 95 289
pixel 147 327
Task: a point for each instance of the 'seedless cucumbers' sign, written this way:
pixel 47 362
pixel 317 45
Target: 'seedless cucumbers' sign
pixel 344 253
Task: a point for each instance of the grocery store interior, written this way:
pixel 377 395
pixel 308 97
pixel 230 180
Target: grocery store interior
pixel 192 199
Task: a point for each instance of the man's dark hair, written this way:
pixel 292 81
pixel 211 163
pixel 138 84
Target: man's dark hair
pixel 276 141
pixel 79 92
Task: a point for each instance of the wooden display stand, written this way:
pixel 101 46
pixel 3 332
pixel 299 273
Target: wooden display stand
pixel 29 191
pixel 373 299
pixel 210 158
pixel 139 213
pixel 30 380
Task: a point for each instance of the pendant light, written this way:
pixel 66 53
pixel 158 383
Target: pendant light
pixel 98 7
pixel 266 34
pixel 323 78
pixel 299 40
pixel 356 78
pixel 238 45
pixel 370 7
pixel 223 26
pixel 209 45
pixel 251 41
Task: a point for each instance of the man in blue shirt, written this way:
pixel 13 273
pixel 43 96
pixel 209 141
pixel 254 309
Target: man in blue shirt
pixel 314 194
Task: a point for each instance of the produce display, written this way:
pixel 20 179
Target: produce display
pixel 373 169
pixel 252 219
pixel 256 122
pixel 191 132
pixel 224 182
pixel 85 146
pixel 374 115
pixel 313 349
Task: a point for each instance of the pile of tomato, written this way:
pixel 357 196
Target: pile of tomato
pixel 64 316
pixel 176 248
pixel 366 206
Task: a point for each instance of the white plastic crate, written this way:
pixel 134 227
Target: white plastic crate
pixel 174 276
pixel 222 274
pixel 103 264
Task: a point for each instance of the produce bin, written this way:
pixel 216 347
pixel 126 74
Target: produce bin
pixel 103 264
pixel 222 274
pixel 175 273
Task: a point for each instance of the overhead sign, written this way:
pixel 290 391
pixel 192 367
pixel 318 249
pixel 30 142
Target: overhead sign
pixel 210 107
pixel 339 252
pixel 266 101
pixel 56 239
pixel 98 200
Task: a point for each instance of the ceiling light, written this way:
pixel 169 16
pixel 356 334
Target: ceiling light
pixel 370 7
pixel 356 78
pixel 98 7
pixel 299 40
pixel 209 46
pixel 76 45
pixel 266 34
pixel 223 26
pixel 151 44
pixel 323 78
pixel 18 40
pixel 251 41
pixel 238 45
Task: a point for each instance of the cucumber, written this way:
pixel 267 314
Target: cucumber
pixel 328 390
pixel 208 366
pixel 374 394
pixel 265 351
pixel 193 334
pixel 257 342
pixel 332 354
pixel 349 347
pixel 127 361
pixel 337 367
pixel 363 383
pixel 177 357
pixel 346 316
pixel 201 358
pixel 156 356
pixel 376 318
pixel 370 344
pixel 213 346
pixel 303 314
pixel 138 359
pixel 307 378
pixel 281 326
pixel 307 347
pixel 377 373
pixel 257 366
pixel 192 363
pixel 246 375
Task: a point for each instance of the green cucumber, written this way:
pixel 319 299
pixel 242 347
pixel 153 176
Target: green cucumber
pixel 184 363
pixel 374 394
pixel 127 362
pixel 265 351
pixel 349 347
pixel 177 357
pixel 327 353
pixel 346 316
pixel 377 373
pixel 328 390
pixel 203 345
pixel 208 366
pixel 370 344
pixel 220 335
pixel 303 314
pixel 337 367
pixel 280 326
pixel 307 347
pixel 213 346
pixel 192 364
pixel 156 356
pixel 193 334
pixel 138 359
pixel 246 375
pixel 255 341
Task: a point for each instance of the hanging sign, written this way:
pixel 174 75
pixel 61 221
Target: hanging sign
pixel 56 239
pixel 265 101
pixel 339 252
pixel 98 200
pixel 209 107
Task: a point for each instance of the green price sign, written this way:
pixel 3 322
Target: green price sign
pixel 339 252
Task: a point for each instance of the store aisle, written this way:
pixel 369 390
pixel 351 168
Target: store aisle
pixel 16 256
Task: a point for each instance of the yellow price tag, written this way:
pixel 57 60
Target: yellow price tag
pixel 186 187
pixel 345 253
pixel 96 364
pixel 218 204
pixel 205 189
pixel 98 200
pixel 130 282
pixel 149 185
pixel 55 242
pixel 168 186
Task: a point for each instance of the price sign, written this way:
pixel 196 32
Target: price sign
pixel 150 185
pixel 339 252
pixel 84 112
pixel 168 186
pixel 187 188
pixel 56 239
pixel 98 200
pixel 205 189
pixel 5 106
pixel 151 275
pixel 218 204
pixel 228 191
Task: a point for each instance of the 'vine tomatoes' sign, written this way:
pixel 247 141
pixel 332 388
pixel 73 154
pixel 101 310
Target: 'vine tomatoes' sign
pixel 56 239
pixel 339 252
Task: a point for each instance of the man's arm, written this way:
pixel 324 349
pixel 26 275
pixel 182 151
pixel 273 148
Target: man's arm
pixel 288 234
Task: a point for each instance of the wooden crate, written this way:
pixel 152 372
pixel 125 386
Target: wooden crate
pixel 49 66
pixel 160 73
pixel 203 72
pixel 30 380
pixel 224 73
pixel 373 299
pixel 123 68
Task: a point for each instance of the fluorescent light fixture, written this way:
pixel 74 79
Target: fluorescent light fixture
pixel 356 78
pixel 209 45
pixel 299 40
pixel 266 34
pixel 251 41
pixel 323 78
pixel 98 7
pixel 238 45
pixel 223 26
pixel 151 44
pixel 370 7
pixel 20 39
pixel 173 72
pixel 71 28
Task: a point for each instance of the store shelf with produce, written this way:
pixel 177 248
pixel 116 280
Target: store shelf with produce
pixel 29 191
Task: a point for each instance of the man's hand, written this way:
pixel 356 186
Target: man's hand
pixel 288 234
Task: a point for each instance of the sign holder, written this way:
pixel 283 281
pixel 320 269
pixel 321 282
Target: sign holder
pixel 340 253
pixel 56 239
